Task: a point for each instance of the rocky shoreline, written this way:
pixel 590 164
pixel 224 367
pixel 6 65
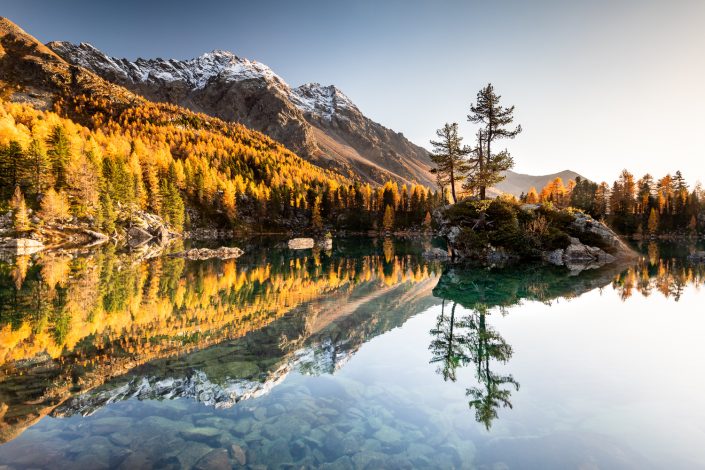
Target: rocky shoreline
pixel 512 233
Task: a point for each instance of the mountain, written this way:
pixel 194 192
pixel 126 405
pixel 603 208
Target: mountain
pixel 318 122
pixel 518 183
pixel 30 72
pixel 157 157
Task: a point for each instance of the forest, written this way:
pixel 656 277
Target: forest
pixel 192 170
pixel 643 207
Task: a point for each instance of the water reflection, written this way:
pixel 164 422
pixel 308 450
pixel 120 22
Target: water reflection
pixel 468 339
pixel 108 343
pixel 69 323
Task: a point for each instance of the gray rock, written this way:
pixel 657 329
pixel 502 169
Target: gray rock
pixel 214 460
pixel 555 257
pixel 137 236
pixel 436 253
pixel 697 257
pixel 301 243
pixel 238 454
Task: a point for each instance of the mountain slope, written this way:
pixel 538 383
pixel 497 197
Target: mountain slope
pixel 318 122
pixel 30 72
pixel 518 183
pixel 161 158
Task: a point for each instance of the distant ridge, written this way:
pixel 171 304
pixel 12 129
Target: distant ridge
pixel 518 183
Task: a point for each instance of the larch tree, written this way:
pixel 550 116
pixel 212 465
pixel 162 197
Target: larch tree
pixel 532 197
pixel 449 156
pixel 487 168
pixel 20 217
pixel 54 207
pixel 388 219
pixel 652 224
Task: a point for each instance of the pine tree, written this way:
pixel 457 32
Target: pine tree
pixel 20 217
pixel 488 167
pixel 449 156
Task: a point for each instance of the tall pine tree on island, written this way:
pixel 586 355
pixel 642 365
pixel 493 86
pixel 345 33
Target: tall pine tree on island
pixel 487 167
pixel 449 156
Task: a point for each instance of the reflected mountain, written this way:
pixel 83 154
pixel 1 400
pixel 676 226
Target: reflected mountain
pixel 216 331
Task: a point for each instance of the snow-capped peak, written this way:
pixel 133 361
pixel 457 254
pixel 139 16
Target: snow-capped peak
pixel 324 101
pixel 196 72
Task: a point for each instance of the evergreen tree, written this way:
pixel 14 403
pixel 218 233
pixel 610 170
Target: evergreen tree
pixel 487 168
pixel 40 167
pixel 12 168
pixel 59 154
pixel 449 156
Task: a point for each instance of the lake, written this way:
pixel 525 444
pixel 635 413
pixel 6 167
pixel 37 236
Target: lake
pixel 364 356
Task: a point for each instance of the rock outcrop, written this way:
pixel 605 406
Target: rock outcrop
pixel 499 231
pixel 578 256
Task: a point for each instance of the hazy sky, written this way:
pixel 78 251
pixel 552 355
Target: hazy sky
pixel 598 85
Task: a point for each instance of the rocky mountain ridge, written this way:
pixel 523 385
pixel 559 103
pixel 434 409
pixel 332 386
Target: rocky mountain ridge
pixel 318 122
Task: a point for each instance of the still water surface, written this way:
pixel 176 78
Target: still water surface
pixel 366 356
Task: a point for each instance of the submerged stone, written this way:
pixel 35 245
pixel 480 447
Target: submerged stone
pixel 214 460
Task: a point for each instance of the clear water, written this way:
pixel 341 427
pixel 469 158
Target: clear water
pixel 363 357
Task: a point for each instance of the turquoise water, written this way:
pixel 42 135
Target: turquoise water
pixel 367 356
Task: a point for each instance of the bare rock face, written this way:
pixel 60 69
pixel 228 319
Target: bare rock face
pixel 318 122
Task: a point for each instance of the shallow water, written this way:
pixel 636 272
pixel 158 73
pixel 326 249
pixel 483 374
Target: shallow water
pixel 366 356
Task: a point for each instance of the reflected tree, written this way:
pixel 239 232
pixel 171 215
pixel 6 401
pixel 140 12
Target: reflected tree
pixel 468 339
pixel 449 344
pixel 493 390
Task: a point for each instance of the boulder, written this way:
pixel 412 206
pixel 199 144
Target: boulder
pixel 224 252
pixel 301 243
pixel 436 253
pixel 137 236
pixel 697 257
pixel 554 257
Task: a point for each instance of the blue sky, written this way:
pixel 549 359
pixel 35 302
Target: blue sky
pixel 598 85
